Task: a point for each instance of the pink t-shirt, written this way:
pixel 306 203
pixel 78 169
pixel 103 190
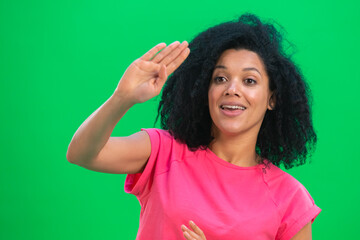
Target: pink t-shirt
pixel 226 201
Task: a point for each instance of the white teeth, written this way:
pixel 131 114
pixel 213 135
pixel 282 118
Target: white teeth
pixel 232 107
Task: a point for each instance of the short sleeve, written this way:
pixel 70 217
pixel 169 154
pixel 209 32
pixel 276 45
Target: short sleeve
pixel 140 184
pixel 300 210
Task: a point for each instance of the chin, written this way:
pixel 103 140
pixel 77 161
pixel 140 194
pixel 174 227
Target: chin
pixel 228 130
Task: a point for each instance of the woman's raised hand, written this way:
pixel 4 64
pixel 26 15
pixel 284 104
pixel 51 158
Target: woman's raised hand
pixel 146 76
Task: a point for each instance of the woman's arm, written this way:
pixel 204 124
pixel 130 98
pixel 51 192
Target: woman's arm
pixel 304 233
pixel 92 147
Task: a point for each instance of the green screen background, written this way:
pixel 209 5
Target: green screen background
pixel 60 60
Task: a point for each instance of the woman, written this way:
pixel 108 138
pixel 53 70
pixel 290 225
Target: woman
pixel 234 111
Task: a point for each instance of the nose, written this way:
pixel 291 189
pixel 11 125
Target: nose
pixel 233 89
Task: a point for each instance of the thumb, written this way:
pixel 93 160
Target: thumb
pixel 162 74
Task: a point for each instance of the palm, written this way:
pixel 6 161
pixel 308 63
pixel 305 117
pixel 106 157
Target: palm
pixel 145 77
pixel 152 79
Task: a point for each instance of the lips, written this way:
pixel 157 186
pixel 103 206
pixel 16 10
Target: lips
pixel 232 106
pixel 232 109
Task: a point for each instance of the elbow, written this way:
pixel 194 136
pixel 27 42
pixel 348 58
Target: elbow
pixel 72 159
pixel 69 157
pixel 75 158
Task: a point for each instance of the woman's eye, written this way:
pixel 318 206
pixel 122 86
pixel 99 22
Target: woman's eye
pixel 250 81
pixel 219 79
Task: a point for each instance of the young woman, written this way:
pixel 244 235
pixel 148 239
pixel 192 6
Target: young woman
pixel 235 110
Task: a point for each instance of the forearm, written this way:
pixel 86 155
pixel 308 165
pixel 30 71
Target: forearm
pixel 96 130
pixel 142 80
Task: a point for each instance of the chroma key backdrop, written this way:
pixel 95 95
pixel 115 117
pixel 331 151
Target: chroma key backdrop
pixel 61 60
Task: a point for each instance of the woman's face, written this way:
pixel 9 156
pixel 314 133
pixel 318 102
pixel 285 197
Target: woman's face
pixel 239 93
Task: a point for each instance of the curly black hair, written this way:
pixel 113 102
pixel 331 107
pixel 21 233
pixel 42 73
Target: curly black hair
pixel 286 135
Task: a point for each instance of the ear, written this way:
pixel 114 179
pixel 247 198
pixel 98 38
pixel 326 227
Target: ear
pixel 272 101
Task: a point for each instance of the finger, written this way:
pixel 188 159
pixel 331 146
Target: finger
pixel 196 229
pixel 178 61
pixel 162 74
pixel 191 233
pixel 161 79
pixel 147 66
pixel 160 56
pixel 187 236
pixel 147 56
pixel 176 52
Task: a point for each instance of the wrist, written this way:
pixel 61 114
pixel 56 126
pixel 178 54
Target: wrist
pixel 117 105
pixel 122 100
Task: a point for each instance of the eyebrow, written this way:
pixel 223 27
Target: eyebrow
pixel 245 69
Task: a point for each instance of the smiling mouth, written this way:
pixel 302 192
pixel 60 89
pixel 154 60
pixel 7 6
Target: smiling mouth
pixel 232 107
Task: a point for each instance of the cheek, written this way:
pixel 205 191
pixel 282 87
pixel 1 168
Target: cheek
pixel 258 98
pixel 212 96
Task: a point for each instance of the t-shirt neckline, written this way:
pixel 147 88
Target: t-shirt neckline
pixel 210 154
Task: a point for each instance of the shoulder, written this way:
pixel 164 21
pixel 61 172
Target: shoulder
pixel 160 137
pixel 294 204
pixel 285 189
pixel 164 145
pixel 158 133
pixel 164 150
pixel 278 179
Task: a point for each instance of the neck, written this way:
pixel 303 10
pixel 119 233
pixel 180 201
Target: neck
pixel 236 149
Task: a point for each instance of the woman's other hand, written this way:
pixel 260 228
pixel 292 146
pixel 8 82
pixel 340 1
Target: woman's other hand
pixel 195 234
pixel 146 76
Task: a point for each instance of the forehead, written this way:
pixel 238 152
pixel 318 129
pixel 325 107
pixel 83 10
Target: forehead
pixel 242 58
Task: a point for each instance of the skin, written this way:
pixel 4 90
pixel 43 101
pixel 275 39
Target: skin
pixel 92 146
pixel 239 77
